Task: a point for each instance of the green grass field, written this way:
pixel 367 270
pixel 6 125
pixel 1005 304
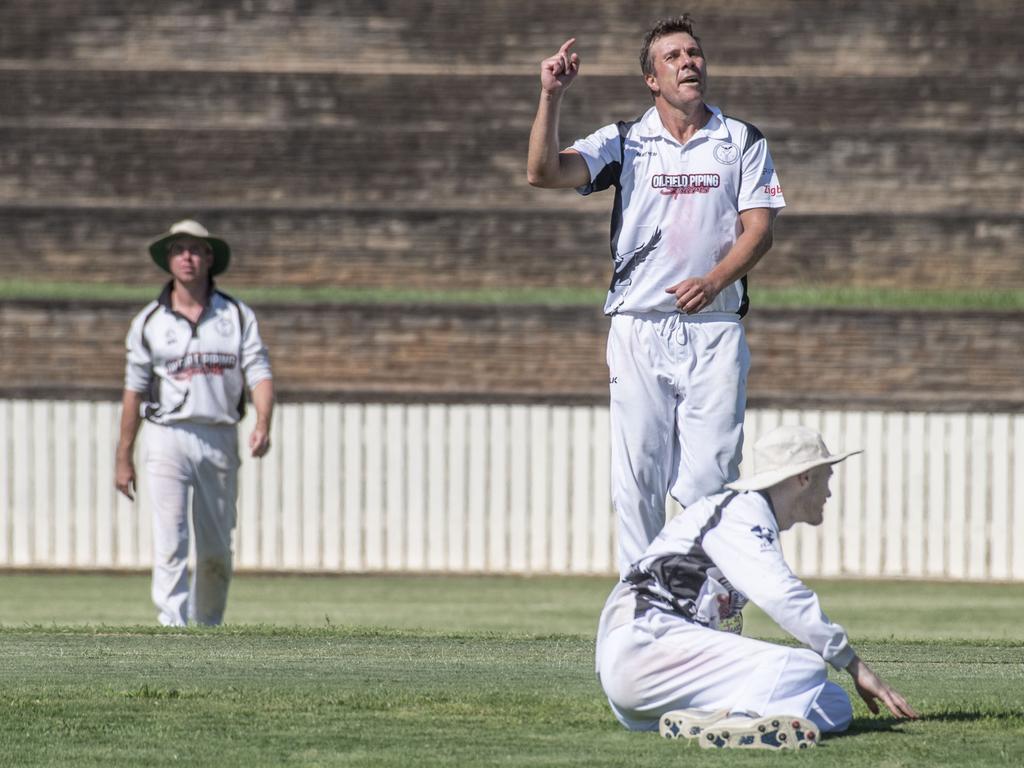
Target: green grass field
pixel 795 297
pixel 451 671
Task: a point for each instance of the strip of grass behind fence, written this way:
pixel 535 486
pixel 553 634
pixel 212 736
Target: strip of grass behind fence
pixel 791 297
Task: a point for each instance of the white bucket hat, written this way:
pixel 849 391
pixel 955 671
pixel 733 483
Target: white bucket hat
pixel 221 250
pixel 785 452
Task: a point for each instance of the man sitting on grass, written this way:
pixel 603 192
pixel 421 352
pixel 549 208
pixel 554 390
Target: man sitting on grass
pixel 663 658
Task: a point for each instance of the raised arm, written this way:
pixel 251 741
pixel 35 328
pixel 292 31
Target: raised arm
pixel 546 166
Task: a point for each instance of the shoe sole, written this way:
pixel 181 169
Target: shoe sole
pixel 773 733
pixel 687 724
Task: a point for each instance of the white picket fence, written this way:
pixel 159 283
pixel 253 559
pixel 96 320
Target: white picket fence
pixel 507 489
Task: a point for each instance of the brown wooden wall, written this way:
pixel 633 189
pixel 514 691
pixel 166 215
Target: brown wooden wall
pixel 352 143
pixel 437 248
pixel 376 144
pixel 835 358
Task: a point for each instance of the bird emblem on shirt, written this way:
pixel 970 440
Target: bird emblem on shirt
pixel 626 264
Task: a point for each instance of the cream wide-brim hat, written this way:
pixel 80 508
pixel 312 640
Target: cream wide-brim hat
pixel 221 250
pixel 786 452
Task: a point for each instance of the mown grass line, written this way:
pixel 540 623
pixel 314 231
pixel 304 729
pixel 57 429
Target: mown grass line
pixel 263 696
pixel 536 605
pixel 794 297
pixel 384 671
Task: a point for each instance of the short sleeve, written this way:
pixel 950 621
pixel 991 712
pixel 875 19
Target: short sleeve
pixel 255 358
pixel 138 371
pixel 760 186
pixel 602 151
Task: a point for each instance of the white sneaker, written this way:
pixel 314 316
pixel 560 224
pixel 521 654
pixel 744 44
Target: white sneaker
pixel 688 723
pixel 773 732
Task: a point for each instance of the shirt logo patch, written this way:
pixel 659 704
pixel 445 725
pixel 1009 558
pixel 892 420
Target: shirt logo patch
pixel 224 326
pixel 201 364
pixel 171 337
pixel 727 154
pixel 766 535
pixel 685 183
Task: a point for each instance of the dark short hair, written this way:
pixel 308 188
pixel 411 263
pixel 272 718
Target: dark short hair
pixel 664 27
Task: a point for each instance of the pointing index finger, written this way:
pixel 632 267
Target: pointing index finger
pixel 567 45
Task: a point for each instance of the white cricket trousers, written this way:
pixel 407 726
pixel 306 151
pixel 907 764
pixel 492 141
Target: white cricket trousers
pixel 652 666
pixel 203 458
pixel 678 395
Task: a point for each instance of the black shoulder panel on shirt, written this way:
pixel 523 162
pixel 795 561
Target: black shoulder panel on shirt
pixel 625 126
pixel 754 134
pixel 241 336
pixel 616 223
pixel 238 308
pixel 673 582
pixel 611 174
pixel 145 320
pixel 154 381
pixel 229 298
pixel 716 518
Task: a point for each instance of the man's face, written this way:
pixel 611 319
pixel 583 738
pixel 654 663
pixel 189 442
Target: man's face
pixel 680 71
pixel 189 259
pixel 815 494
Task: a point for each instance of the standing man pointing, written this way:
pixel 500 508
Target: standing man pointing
pixel 191 353
pixel 695 197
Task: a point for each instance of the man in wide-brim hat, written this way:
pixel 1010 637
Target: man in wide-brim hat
pixel 191 354
pixel 186 231
pixel 669 655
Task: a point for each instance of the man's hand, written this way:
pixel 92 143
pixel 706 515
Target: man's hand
pixel 259 440
pixel 124 475
pixel 870 687
pixel 694 293
pixel 124 466
pixel 546 166
pixel 558 71
pixel 263 400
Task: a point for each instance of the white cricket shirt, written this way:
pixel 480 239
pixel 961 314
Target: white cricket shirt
pixel 195 373
pixel 677 206
pixel 725 543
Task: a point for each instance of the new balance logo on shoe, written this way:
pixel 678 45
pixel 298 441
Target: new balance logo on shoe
pixel 772 733
pixel 688 723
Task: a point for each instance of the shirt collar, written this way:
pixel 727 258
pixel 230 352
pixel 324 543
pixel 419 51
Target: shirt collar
pixel 714 129
pixel 164 299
